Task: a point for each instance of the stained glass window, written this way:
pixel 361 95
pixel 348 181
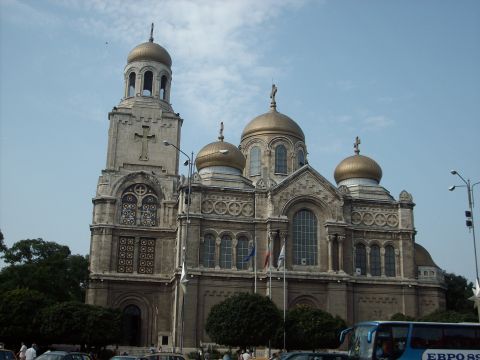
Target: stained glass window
pixel 129 209
pixel 361 259
pixel 226 252
pixel 209 251
pixel 242 253
pixel 375 267
pixel 139 206
pixel 280 159
pixel 146 256
pixel 304 238
pixel 390 261
pixel 126 246
pixel 255 161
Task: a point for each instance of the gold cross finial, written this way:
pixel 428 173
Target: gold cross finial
pixel 273 104
pixel 221 132
pixel 355 145
pixel 151 34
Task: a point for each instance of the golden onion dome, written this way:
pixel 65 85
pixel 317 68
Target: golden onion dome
pixel 150 51
pixel 220 153
pixel 358 166
pixel 273 122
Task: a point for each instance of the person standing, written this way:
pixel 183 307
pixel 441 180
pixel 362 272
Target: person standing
pixel 23 350
pixel 31 352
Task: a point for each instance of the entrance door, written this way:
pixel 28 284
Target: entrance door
pixel 131 326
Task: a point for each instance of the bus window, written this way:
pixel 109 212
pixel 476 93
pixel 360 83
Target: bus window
pixel 455 337
pixel 359 347
pixel 427 337
pixel 390 341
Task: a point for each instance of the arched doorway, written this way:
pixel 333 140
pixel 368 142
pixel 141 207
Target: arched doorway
pixel 131 326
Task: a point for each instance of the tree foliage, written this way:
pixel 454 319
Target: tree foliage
pixel 449 316
pixel 401 317
pixel 19 315
pixel 458 292
pixel 46 267
pixel 78 323
pixel 308 328
pixel 243 320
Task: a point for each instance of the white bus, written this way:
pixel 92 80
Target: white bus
pixel 413 340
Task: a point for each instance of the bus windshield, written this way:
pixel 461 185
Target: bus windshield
pixel 359 347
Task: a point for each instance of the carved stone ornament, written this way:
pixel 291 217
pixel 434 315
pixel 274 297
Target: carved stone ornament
pixel 227 206
pixel 405 196
pixel 344 190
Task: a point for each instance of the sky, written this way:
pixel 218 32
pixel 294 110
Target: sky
pixel 404 76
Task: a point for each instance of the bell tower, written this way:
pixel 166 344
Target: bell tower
pixel 144 117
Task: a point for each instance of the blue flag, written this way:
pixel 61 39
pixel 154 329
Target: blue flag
pixel 252 254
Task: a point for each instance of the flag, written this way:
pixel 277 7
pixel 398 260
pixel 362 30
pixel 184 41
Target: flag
pixel 252 254
pixel 183 278
pixel 267 256
pixel 281 257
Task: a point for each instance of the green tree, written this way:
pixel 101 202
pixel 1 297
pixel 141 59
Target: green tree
pixel 309 329
pixel 20 315
pixel 449 316
pixel 243 320
pixel 78 323
pixel 401 317
pixel 458 292
pixel 46 267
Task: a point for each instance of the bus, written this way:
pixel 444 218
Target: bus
pixel 381 340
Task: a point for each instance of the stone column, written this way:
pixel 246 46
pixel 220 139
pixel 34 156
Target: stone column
pixel 382 261
pixel 234 253
pixel 367 250
pixel 330 239
pixel 340 239
pixel 218 243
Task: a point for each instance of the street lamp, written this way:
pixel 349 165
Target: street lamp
pixel 469 213
pixel 188 162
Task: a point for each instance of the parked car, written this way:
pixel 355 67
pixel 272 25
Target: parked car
pixel 128 357
pixel 7 355
pixel 313 356
pixel 164 356
pixel 63 355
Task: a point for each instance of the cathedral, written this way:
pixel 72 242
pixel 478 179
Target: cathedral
pixel 249 217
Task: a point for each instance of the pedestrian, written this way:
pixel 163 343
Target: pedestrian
pixel 152 349
pixel 246 355
pixel 31 352
pixel 226 356
pixel 23 350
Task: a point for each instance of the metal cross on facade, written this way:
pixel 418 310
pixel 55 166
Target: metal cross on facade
pixel 145 138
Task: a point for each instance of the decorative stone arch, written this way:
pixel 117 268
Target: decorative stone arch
pixel 245 252
pixel 312 201
pixel 202 249
pixel 163 81
pixel 356 244
pixel 138 327
pixel 148 200
pixel 131 70
pixel 321 213
pixel 304 300
pixel 300 146
pixel 142 74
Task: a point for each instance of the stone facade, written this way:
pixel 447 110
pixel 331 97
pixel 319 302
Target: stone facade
pixel 349 248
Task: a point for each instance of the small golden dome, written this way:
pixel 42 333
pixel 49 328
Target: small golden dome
pixel 273 122
pixel 358 166
pixel 150 51
pixel 220 153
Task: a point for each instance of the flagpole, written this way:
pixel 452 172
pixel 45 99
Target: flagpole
pixel 284 292
pixel 255 264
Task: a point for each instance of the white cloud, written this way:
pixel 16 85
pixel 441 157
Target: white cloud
pixel 378 121
pixel 216 47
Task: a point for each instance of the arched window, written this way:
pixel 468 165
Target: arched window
pixel 242 253
pixel 149 211
pixel 131 84
pixel 255 164
pixel 375 267
pixel 129 209
pixel 131 326
pixel 139 195
pixel 163 88
pixel 390 261
pixel 209 251
pixel 300 158
pixel 280 159
pixel 361 259
pixel 304 238
pixel 147 84
pixel 226 252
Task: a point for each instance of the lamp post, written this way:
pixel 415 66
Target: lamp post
pixel 469 213
pixel 188 162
